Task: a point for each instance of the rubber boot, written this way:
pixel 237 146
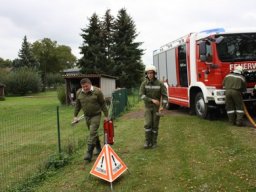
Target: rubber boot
pixel 239 120
pixel 148 140
pixel 154 140
pixel 88 155
pixel 232 118
pixel 98 147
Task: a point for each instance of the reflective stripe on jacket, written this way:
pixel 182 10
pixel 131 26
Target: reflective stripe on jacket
pixel 153 89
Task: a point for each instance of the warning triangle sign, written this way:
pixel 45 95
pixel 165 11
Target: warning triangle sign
pixel 108 165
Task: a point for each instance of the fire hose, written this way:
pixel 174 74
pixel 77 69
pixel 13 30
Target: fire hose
pixel 248 116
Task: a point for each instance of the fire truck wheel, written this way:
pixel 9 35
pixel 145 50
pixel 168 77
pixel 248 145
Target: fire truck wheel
pixel 201 108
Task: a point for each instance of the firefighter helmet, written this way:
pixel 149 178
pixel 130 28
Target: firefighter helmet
pixel 150 68
pixel 238 69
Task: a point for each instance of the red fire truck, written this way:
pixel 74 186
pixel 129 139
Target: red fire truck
pixel 194 66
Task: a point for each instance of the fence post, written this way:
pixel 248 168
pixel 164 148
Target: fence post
pixel 58 129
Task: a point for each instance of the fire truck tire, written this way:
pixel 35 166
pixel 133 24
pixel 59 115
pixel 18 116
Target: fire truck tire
pixel 201 108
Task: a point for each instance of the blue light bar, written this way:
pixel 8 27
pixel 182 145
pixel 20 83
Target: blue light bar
pixel 216 30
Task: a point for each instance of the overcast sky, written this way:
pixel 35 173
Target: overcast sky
pixel 157 21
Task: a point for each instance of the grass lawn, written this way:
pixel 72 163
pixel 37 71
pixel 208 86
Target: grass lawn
pixel 192 155
pixel 28 135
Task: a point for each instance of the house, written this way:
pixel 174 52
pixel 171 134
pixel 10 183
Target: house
pixel 73 76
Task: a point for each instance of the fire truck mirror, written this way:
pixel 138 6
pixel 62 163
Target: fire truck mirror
pixel 203 58
pixel 219 39
pixel 202 51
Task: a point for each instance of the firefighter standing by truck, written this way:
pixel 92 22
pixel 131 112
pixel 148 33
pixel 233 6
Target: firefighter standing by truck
pixel 154 94
pixel 234 84
pixel 91 100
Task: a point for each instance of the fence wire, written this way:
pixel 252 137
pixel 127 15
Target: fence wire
pixel 29 138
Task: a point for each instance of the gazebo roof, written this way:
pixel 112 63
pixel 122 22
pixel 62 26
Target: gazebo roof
pixel 79 75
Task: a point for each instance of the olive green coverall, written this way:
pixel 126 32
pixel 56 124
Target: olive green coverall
pixel 234 84
pixel 149 90
pixel 92 104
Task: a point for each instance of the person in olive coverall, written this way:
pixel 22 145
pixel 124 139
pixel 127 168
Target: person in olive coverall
pixel 91 100
pixel 154 94
pixel 234 84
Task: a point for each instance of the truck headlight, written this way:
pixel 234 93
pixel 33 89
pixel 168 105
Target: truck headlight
pixel 220 93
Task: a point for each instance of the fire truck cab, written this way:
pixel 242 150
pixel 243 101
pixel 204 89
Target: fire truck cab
pixel 194 66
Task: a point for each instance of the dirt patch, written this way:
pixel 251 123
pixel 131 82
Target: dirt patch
pixel 134 114
pixel 140 113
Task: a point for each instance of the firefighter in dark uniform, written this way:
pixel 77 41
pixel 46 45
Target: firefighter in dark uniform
pixel 234 84
pixel 91 100
pixel 153 92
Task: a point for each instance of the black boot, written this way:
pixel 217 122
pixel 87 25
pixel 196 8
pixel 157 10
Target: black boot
pixel 147 145
pixel 98 147
pixel 154 139
pixel 88 155
pixel 148 140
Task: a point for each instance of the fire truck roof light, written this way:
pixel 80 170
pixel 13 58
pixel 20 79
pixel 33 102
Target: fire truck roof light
pixel 216 30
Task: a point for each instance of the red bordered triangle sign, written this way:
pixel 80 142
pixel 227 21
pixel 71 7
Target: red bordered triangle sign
pixel 108 165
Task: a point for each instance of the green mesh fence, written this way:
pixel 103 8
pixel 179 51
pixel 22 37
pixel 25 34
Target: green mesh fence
pixel 29 137
pixel 28 140
pixel 123 99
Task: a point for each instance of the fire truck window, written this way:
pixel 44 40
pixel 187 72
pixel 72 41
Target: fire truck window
pixel 237 47
pixel 183 78
pixel 208 52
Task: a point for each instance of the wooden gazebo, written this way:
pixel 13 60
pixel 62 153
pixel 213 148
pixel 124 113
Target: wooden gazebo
pixel 72 78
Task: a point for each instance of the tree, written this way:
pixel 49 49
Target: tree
pixel 52 57
pixel 109 47
pixel 108 41
pixel 5 63
pixel 26 57
pixel 65 57
pixel 127 60
pixel 92 49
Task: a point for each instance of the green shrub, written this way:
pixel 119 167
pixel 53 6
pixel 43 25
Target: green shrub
pixel 57 161
pixel 3 76
pixel 3 80
pixel 24 80
pixel 53 80
pixel 61 94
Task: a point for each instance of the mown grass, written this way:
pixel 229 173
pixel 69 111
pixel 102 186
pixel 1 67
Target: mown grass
pixel 28 135
pixel 192 155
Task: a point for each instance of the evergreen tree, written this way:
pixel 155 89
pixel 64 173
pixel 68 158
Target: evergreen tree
pixel 92 49
pixel 107 32
pixel 127 55
pixel 26 57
